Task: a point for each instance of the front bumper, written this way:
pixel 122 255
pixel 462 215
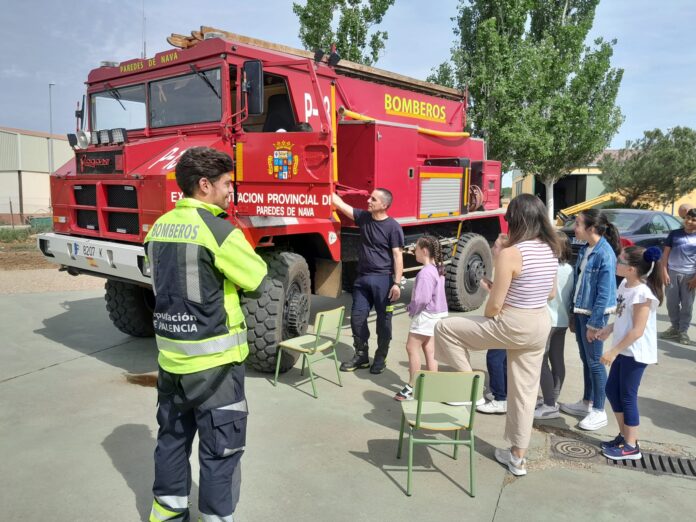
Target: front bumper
pixel 103 258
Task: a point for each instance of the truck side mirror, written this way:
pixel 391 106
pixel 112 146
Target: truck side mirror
pixel 253 86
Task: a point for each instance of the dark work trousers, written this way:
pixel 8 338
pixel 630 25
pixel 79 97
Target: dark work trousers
pixel 220 421
pixel 369 291
pixel 496 364
pixel 553 366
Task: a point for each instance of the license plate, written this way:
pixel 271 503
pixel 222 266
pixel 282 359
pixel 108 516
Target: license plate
pixel 576 241
pixel 89 251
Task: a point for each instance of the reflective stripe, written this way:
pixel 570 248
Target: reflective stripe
pixel 193 279
pixel 151 262
pixel 232 451
pixel 206 347
pixel 237 406
pixel 173 501
pixel 161 514
pixel 389 308
pixel 215 518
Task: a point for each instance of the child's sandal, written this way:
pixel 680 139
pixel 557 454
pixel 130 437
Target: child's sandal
pixel 406 394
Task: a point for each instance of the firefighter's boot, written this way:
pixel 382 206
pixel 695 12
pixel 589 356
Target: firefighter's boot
pixel 379 364
pixel 359 360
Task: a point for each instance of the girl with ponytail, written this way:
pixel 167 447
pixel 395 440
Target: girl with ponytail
pixel 594 298
pixel 428 305
pixel 635 344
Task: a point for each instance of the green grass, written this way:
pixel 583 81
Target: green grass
pixel 18 235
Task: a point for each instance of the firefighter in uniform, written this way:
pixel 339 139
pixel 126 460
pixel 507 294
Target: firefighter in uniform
pixel 378 285
pixel 199 261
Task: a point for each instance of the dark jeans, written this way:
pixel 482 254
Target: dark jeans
pixel 622 387
pixel 369 291
pixel 496 364
pixel 553 366
pixel 594 373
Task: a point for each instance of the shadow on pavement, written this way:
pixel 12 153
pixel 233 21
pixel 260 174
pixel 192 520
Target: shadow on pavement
pixel 381 453
pixel 97 337
pixel 677 351
pixel 668 416
pixel 131 449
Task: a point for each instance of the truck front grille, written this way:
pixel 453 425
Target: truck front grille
pixel 124 223
pixel 85 195
pixel 124 196
pixel 87 219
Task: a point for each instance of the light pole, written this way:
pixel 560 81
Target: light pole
pixel 50 129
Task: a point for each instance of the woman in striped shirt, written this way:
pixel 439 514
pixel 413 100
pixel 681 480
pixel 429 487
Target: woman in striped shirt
pixel 515 316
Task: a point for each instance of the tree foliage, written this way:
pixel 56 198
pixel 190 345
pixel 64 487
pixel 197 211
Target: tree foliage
pixel 353 32
pixel 657 167
pixel 543 100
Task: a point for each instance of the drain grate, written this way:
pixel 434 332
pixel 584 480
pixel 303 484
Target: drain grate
pixel 574 449
pixel 660 464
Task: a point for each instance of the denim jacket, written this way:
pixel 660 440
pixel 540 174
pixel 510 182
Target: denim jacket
pixel 597 293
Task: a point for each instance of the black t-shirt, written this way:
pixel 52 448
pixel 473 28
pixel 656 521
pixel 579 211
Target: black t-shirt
pixel 377 238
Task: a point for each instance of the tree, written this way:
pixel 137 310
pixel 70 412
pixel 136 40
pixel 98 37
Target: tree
pixel 352 33
pixel 542 99
pixel 659 167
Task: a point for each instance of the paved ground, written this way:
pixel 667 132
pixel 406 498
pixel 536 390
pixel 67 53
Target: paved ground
pixel 77 432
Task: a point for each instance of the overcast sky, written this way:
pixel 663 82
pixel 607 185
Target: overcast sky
pixel 48 41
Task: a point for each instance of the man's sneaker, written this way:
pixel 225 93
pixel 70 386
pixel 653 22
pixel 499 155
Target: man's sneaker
pixel 616 441
pixel 594 420
pixel 493 407
pixel 488 395
pixel 359 360
pixel 684 339
pixel 579 409
pixel 546 412
pixel 623 452
pixel 379 364
pixel 517 467
pixel 479 402
pixel 670 333
pixel 406 394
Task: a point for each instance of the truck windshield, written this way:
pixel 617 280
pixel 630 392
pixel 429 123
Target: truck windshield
pixel 119 108
pixel 192 98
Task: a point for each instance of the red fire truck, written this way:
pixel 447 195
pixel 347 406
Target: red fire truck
pixel 299 126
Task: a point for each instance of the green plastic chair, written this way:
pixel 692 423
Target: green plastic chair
pixel 314 346
pixel 427 412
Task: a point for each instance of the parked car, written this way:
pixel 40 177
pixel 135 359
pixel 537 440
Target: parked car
pixel 644 228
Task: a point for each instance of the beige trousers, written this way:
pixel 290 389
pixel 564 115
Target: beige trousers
pixel 523 333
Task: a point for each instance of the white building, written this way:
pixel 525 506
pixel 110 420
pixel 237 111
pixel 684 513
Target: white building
pixel 24 171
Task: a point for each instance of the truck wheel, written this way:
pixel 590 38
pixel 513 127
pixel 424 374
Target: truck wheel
pixel 130 308
pixel 472 261
pixel 290 270
pixel 264 319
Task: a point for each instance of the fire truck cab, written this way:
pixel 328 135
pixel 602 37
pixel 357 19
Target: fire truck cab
pixel 299 127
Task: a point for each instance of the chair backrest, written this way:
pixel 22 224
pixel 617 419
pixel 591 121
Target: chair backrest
pixel 448 387
pixel 327 325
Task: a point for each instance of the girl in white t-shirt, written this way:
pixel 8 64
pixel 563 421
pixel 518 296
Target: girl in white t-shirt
pixel 635 344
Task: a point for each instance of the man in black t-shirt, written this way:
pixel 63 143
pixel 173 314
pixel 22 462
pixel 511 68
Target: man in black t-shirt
pixel 380 267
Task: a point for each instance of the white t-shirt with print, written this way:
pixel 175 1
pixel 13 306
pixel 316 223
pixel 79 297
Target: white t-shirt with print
pixel 643 350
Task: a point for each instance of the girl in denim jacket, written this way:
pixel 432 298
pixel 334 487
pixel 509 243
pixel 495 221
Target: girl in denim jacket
pixel 594 298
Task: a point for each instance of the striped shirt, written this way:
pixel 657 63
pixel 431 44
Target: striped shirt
pixel 539 266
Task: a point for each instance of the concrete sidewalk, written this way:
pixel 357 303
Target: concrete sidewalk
pixel 77 435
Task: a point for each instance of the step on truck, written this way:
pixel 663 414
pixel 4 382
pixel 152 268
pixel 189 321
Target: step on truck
pixel 299 127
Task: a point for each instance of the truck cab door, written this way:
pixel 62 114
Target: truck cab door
pixel 282 168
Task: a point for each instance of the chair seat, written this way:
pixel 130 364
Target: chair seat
pixel 436 416
pixel 305 344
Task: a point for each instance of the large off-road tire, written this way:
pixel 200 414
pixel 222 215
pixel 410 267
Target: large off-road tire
pixel 264 319
pixel 472 261
pixel 291 272
pixel 130 308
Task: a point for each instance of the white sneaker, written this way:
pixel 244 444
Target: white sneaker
pixel 546 412
pixel 594 420
pixel 479 402
pixel 579 409
pixel 493 407
pixel 539 402
pixel 488 395
pixel 516 466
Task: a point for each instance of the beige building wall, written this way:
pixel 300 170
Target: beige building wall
pixel 24 155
